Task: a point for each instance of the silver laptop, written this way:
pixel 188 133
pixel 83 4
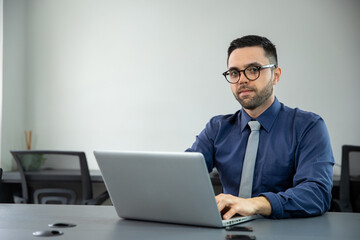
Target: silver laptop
pixel 162 186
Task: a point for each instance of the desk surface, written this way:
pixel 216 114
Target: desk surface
pixel 101 222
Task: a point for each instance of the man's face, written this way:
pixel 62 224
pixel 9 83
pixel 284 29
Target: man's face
pixel 252 94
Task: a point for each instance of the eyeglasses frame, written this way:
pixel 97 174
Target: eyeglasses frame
pixel 259 68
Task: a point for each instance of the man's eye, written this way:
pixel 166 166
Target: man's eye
pixel 253 69
pixel 233 73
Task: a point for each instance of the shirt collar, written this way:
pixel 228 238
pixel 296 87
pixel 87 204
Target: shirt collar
pixel 266 119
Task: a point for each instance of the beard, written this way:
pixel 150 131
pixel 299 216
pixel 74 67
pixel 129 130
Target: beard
pixel 260 97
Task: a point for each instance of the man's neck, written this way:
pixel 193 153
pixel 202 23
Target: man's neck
pixel 255 113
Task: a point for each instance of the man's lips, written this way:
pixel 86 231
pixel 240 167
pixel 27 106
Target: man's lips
pixel 244 92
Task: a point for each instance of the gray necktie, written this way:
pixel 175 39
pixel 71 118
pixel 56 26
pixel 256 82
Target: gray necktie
pixel 247 175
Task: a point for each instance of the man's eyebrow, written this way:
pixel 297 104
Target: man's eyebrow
pixel 234 68
pixel 253 64
pixel 247 65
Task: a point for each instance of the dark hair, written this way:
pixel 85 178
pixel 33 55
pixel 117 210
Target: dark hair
pixel 252 41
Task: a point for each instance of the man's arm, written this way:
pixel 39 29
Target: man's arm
pixel 204 143
pixel 312 182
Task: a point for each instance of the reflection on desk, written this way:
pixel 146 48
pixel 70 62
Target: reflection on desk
pixel 101 222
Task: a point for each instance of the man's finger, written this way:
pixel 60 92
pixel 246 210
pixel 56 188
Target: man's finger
pixel 221 205
pixel 229 214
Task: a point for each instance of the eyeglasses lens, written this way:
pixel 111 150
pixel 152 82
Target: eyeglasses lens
pixel 252 72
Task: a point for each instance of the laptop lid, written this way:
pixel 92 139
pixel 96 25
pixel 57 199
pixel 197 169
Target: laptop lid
pixel 161 186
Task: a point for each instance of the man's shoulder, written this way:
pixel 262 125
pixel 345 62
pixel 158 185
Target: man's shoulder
pixel 229 118
pixel 299 114
pixel 301 120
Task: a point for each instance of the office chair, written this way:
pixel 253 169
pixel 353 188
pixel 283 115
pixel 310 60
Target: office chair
pixel 349 193
pixel 215 182
pixel 1 171
pixel 55 195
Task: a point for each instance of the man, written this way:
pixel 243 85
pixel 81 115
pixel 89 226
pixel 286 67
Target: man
pixel 292 168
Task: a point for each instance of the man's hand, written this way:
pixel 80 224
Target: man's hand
pixel 230 205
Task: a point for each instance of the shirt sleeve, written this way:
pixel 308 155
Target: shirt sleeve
pixel 204 143
pixel 312 182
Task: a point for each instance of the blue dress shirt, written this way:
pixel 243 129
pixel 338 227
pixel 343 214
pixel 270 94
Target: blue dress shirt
pixel 294 164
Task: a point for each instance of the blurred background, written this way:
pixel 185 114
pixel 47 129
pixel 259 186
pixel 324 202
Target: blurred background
pixel 146 75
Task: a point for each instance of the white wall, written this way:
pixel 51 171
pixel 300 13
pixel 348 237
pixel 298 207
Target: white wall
pixel 146 75
pixel 1 65
pixel 14 83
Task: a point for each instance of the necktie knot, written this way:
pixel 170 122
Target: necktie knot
pixel 254 125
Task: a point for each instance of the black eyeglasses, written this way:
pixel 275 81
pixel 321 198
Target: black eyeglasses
pixel 251 73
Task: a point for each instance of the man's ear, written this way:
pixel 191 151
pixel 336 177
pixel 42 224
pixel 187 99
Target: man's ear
pixel 277 75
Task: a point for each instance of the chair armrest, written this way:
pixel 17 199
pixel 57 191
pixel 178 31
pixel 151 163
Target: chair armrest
pixel 98 200
pixel 341 206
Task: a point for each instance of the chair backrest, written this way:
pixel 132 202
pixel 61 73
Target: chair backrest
pixel 23 166
pixel 53 195
pixel 345 179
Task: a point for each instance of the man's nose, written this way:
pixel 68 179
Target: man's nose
pixel 243 79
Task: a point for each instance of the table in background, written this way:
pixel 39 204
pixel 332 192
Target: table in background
pixel 66 175
pixel 101 222
pixel 74 175
pixel 11 182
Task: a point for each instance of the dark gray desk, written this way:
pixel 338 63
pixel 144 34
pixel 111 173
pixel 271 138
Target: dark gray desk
pixel 101 222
